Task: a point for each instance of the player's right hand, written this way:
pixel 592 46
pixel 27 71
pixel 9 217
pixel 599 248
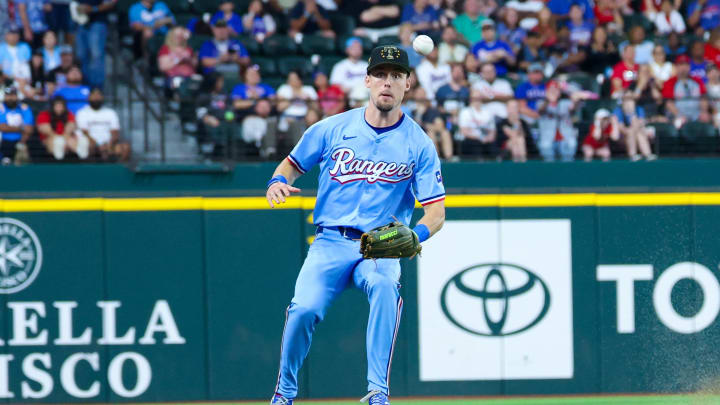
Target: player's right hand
pixel 277 192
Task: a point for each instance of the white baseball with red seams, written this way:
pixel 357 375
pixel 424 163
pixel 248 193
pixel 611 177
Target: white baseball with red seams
pixel 423 44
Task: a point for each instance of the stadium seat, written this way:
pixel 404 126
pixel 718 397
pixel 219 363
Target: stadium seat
pixel 388 40
pixel 343 25
pixel 275 81
pixel 252 46
pixel 196 41
pixel 178 6
pixel 700 137
pixel 183 19
pixel 205 6
pixel 327 63
pixel 268 67
pixel 316 44
pixel 289 63
pixel 666 138
pixel 585 81
pixel 230 84
pixel 35 105
pixel 279 45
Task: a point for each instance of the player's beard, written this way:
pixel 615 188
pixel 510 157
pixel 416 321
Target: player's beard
pixel 384 107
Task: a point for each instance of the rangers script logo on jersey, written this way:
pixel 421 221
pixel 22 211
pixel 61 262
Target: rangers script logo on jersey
pixel 347 169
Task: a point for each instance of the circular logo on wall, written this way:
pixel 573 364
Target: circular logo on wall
pixel 20 256
pixel 495 299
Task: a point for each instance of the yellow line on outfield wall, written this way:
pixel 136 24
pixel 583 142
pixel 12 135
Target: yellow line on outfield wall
pixel 301 202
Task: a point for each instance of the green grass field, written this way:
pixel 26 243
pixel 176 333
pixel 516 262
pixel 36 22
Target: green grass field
pixel 601 400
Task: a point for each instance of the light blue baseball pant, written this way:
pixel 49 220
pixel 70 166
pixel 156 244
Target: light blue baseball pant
pixel 332 263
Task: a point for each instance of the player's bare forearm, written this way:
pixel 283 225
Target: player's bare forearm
pixel 288 171
pixel 434 217
pixel 278 191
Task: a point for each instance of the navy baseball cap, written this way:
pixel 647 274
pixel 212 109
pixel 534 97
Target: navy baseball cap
pixel 388 55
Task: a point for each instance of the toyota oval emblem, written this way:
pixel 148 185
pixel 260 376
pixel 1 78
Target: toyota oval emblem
pixel 505 299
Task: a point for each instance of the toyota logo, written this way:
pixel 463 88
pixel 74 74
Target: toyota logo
pixel 495 299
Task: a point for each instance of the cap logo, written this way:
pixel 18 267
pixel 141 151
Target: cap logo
pixel 390 52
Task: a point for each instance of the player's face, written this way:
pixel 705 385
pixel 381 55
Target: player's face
pixel 387 86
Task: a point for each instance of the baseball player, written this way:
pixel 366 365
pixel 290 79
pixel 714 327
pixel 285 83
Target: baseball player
pixel 374 163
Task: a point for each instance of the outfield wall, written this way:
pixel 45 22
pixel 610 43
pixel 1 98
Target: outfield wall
pixel 183 298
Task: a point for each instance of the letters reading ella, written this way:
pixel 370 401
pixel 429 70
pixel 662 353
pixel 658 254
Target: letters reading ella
pixel 347 169
pixel 29 329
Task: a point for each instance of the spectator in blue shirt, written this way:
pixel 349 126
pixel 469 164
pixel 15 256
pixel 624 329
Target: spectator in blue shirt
pixel 533 51
pixel 509 30
pixel 422 16
pixel 698 64
pixel 74 92
pixel 227 13
pixel 529 93
pixel 147 18
pixel 16 124
pixel 704 13
pixel 5 18
pixel 30 17
pixel 492 50
pixel 222 53
pixel 561 8
pixel 14 55
pixel 258 22
pixel 581 30
pixel 245 94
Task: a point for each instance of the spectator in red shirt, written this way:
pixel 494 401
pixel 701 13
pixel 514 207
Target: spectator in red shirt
pixel 682 93
pixel 604 129
pixel 176 58
pixel 651 7
pixel 625 72
pixel 607 13
pixel 330 96
pixel 712 47
pixel 56 128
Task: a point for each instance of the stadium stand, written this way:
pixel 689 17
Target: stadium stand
pixel 582 49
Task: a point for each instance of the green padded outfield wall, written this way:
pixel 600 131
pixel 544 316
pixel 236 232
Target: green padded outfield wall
pixel 170 284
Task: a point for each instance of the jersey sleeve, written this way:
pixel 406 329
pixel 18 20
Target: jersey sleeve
pixel 114 120
pixel 134 14
pixel 428 183
pixel 308 151
pixel 27 116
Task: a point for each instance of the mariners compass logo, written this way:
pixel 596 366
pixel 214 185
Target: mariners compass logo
pixel 20 256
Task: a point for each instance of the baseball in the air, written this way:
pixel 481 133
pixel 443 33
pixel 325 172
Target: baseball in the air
pixel 423 44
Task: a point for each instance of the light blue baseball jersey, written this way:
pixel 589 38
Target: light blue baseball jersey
pixel 368 174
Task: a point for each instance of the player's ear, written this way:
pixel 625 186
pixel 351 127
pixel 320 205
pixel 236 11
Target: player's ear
pixel 407 82
pixel 367 81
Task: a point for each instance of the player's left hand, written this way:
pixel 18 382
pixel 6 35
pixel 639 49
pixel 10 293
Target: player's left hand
pixel 393 240
pixel 277 192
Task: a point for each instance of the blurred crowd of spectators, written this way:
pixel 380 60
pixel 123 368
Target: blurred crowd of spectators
pixel 556 79
pixel 53 72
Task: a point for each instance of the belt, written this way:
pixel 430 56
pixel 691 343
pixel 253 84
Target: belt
pixel 348 233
